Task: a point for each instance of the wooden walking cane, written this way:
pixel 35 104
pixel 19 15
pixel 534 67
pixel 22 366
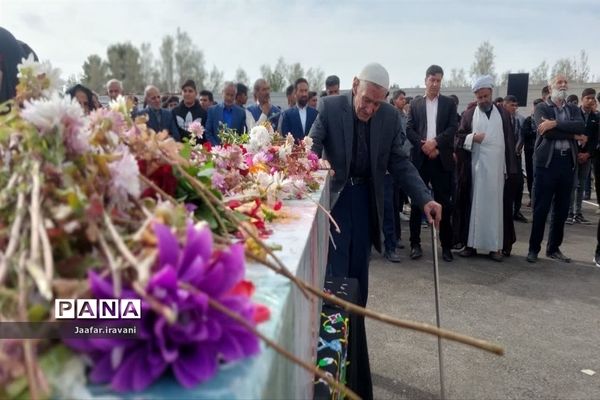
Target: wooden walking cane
pixel 436 282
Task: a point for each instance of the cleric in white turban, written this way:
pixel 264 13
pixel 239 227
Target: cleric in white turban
pixel 487 174
pixel 483 82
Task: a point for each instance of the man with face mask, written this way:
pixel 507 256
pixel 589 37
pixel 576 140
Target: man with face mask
pixel 299 119
pixel 487 169
pixel 560 126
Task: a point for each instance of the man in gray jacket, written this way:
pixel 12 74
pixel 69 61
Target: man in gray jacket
pixel 560 126
pixel 361 135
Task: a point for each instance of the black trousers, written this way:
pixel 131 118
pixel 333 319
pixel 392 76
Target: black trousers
pixel 351 248
pixel 434 175
pixel 529 169
pixel 596 168
pixel 519 187
pixel 551 184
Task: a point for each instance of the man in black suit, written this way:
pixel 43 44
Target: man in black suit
pixel 431 127
pixel 361 146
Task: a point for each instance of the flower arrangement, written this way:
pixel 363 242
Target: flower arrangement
pixel 86 210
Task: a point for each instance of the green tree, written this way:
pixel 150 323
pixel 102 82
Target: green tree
pixel 149 72
pixel 242 77
pixel 95 73
pixel 539 75
pixel 457 78
pixel 582 73
pixel 215 80
pixel 189 60
pixel 294 71
pixel 484 61
pixel 275 76
pixel 565 67
pixel 124 65
pixel 167 64
pixel 316 79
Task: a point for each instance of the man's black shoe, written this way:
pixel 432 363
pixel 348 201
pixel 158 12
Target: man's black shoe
pixel 532 257
pixel 392 256
pixel 447 255
pixel 520 217
pixel 557 255
pixel 416 252
pixel 467 252
pixel 506 253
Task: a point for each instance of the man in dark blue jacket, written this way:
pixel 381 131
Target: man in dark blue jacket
pixel 159 119
pixel 298 119
pixel 264 109
pixel 560 126
pixel 226 113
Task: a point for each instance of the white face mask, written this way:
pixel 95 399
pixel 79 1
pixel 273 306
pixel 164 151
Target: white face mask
pixel 558 94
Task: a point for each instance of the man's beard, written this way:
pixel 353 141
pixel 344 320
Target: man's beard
pixel 485 106
pixel 302 101
pixel 558 94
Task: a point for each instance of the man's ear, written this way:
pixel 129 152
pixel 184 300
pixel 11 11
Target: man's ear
pixel 355 83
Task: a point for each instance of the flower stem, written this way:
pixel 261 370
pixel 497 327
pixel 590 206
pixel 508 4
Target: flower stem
pixel 165 311
pixel 116 276
pixel 401 323
pixel 158 189
pixel 309 367
pixel 15 237
pixel 206 196
pixel 121 246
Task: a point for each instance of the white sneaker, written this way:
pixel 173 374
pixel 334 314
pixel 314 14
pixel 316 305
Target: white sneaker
pixel 597 260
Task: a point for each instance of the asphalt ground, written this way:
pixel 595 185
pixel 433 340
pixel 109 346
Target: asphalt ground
pixel 545 315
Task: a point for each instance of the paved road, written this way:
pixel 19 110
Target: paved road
pixel 546 315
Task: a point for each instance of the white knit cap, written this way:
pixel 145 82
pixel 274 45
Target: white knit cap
pixel 483 82
pixel 375 73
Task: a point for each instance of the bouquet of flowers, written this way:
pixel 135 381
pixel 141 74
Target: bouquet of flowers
pixel 80 217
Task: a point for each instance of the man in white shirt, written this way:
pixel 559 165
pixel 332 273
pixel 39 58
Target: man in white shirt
pixel 298 119
pixel 431 126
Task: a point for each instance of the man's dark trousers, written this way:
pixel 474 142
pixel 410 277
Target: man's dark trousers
pixel 519 187
pixel 350 256
pixel 551 183
pixel 433 172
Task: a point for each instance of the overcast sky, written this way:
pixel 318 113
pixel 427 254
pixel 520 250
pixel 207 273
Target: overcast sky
pixel 338 36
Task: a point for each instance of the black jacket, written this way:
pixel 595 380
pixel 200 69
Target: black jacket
pixel 184 116
pixel 564 130
pixel 446 127
pixel 591 131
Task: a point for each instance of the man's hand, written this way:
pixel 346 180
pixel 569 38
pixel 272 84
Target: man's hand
pixel 428 146
pixel 582 139
pixel 519 149
pixel 546 125
pixel 265 108
pixel 433 212
pixel 433 154
pixel 478 137
pixel 324 164
pixel 583 157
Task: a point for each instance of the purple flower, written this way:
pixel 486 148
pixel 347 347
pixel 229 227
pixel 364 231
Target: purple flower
pixel 202 336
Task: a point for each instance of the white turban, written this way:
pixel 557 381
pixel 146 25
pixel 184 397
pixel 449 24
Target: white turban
pixel 483 82
pixel 375 73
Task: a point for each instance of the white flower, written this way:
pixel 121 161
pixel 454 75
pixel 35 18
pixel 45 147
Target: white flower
pixel 260 139
pixel 308 142
pixel 119 105
pixel 63 114
pixel 125 176
pixel 49 76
